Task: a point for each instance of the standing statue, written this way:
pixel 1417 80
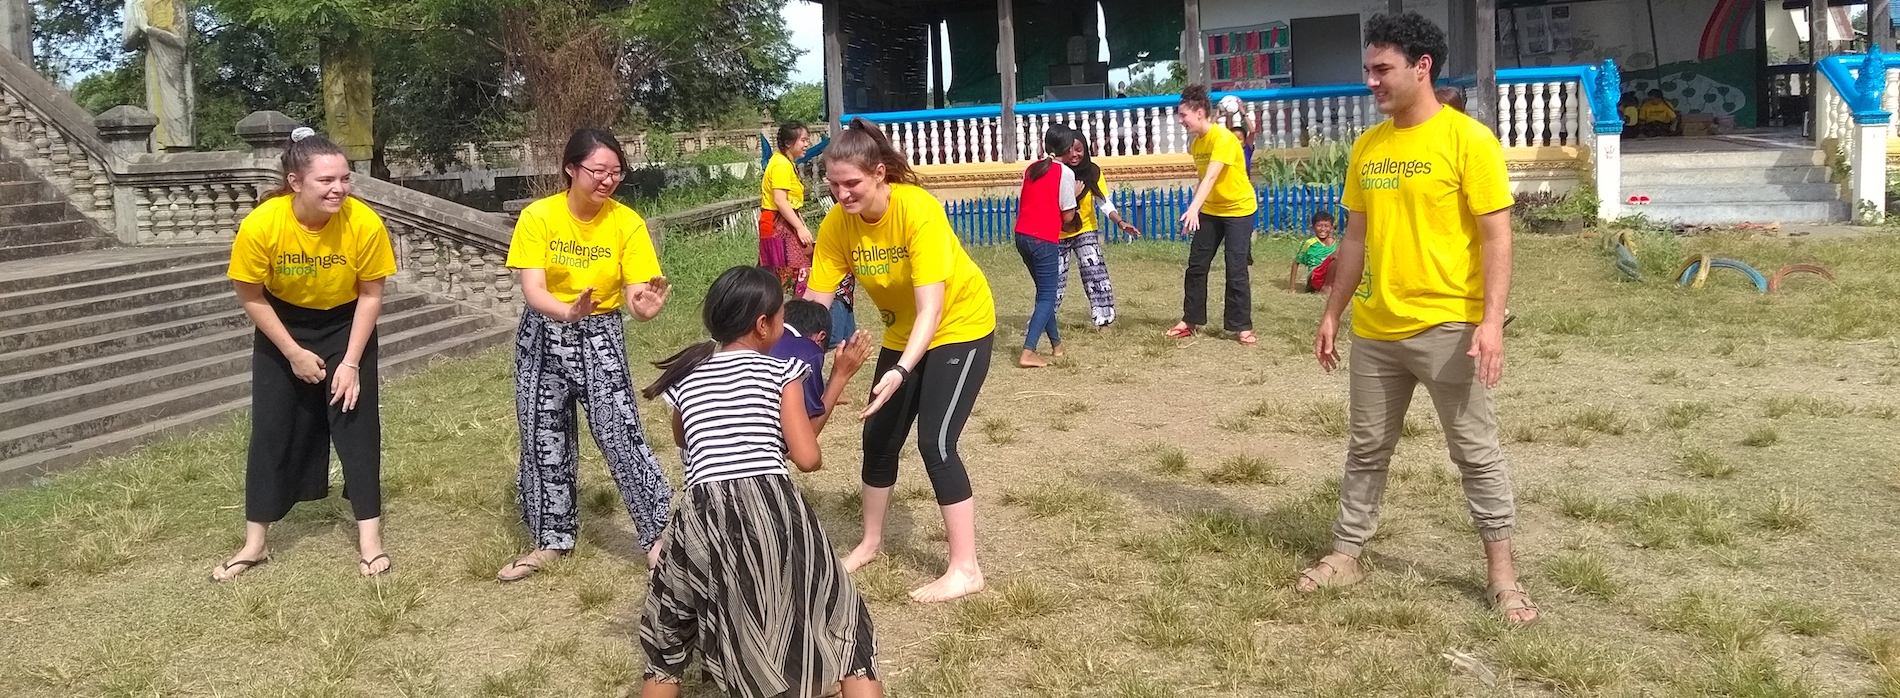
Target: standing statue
pixel 163 29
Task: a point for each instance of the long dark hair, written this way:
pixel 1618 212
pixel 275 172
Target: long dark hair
pixel 865 147
pixel 1087 171
pixel 788 134
pixel 305 146
pixel 734 304
pixel 583 143
pixel 1056 142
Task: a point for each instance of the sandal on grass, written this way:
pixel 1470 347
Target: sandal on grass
pixel 510 574
pixel 1247 339
pixel 369 566
pixel 1180 332
pixel 1330 573
pixel 1514 599
pixel 232 569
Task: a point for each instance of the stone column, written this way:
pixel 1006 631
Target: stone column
pixel 348 110
pixel 1604 87
pixel 16 28
pixel 267 132
pixel 1870 172
pixel 127 130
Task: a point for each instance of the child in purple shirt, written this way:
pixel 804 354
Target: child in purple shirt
pixel 807 325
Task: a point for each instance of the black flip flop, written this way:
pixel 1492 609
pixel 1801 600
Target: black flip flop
pixel 247 565
pixel 370 563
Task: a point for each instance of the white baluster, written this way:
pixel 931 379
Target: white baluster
pixel 1504 113
pixel 1891 100
pixel 1540 129
pixel 1312 120
pixel 1520 115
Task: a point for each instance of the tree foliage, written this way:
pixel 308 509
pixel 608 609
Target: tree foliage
pixel 802 102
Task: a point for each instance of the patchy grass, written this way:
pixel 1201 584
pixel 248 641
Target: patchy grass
pixel 1116 568
pixel 1702 462
pixel 1761 436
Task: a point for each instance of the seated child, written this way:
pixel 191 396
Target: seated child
pixel 1314 254
pixel 807 327
pixel 1627 107
pixel 1657 117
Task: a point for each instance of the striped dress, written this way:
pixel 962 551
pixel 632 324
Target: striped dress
pixel 747 578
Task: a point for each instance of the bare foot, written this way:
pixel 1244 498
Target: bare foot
pixel 861 556
pixel 952 585
pixel 1059 352
pixel 241 562
pixel 1031 359
pixel 1334 570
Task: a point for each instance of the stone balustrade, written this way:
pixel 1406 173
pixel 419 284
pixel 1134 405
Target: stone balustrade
pixel 30 136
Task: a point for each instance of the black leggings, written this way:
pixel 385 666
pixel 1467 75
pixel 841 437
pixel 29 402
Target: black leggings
pixel 941 392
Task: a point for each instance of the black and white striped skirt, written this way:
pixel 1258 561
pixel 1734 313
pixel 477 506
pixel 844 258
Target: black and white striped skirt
pixel 748 580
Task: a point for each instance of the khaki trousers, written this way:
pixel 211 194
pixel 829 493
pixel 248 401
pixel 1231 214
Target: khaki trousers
pixel 1384 375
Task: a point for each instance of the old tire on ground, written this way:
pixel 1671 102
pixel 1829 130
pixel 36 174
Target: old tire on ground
pixel 1774 282
pixel 1700 269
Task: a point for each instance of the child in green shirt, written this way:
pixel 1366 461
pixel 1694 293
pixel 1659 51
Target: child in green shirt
pixel 1313 252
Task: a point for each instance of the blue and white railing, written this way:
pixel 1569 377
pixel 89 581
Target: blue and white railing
pixel 1857 99
pixel 1535 106
pixel 1156 212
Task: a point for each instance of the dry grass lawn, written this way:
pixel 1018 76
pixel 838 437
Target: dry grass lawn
pixel 1706 483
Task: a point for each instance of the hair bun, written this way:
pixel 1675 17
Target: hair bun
pixel 301 132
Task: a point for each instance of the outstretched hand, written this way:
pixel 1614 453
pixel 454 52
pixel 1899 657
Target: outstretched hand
pixel 852 354
pixel 647 300
pixel 583 306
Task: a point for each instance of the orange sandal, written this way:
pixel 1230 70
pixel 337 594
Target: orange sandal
pixel 1181 331
pixel 1247 339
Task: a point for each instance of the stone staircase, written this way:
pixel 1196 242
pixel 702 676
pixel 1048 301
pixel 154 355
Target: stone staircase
pixel 104 347
pixel 1730 181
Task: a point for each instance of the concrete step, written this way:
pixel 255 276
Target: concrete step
pixel 1690 162
pixel 92 347
pixel 115 321
pixel 49 249
pixel 41 462
pixel 111 285
pixel 146 297
pixel 123 367
pixel 1730 212
pixel 34 212
pixel 15 171
pixel 225 356
pixel 105 263
pixel 27 193
pixel 21 233
pixel 1634 178
pixel 1761 193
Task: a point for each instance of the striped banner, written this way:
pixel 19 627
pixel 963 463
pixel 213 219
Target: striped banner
pixel 1157 212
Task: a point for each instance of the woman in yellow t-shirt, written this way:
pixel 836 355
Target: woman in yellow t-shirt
pixel 582 256
pixel 784 241
pixel 309 264
pixel 1085 246
pixel 1221 214
pixel 939 324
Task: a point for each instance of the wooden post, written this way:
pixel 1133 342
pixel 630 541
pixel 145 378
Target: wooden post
pixel 1193 52
pixel 1484 15
pixel 1880 24
pixel 834 65
pixel 1006 69
pixel 936 63
pixel 1818 45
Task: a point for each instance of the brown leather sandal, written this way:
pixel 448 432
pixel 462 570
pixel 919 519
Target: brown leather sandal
pixel 1512 600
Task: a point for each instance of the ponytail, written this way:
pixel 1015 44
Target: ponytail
pixel 865 147
pixel 1055 143
pixel 304 148
pixel 678 366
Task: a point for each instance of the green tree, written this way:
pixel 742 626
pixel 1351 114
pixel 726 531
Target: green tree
pixel 804 102
pixel 1156 78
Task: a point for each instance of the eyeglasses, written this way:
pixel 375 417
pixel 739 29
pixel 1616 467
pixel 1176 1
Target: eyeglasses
pixel 606 174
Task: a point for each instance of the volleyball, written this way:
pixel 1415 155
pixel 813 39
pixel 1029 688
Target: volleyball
pixel 1230 105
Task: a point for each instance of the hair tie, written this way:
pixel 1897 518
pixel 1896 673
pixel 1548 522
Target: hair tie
pixel 301 132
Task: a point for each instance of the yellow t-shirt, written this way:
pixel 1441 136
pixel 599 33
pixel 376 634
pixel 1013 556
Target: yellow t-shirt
pixel 779 174
pixel 606 253
pixel 1657 112
pixel 1233 195
pixel 1085 207
pixel 316 270
pixel 911 246
pixel 1421 190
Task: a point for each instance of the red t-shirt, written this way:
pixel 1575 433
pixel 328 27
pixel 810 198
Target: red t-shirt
pixel 1043 201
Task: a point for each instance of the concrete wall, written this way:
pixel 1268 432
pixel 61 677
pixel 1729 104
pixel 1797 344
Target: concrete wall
pixel 1218 14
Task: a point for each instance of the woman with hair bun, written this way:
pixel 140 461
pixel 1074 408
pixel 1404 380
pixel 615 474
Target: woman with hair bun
pixel 308 264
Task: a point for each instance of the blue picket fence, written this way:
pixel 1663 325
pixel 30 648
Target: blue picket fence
pixel 1157 212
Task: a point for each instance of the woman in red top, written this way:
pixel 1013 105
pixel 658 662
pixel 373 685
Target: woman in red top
pixel 1048 208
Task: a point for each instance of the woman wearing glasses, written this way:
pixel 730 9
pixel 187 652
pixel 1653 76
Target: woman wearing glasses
pixel 582 256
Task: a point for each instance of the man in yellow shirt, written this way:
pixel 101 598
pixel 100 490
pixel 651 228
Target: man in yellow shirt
pixel 1430 242
pixel 1657 117
pixel 1221 214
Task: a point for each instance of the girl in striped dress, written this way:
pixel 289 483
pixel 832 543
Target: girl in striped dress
pixel 747 579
